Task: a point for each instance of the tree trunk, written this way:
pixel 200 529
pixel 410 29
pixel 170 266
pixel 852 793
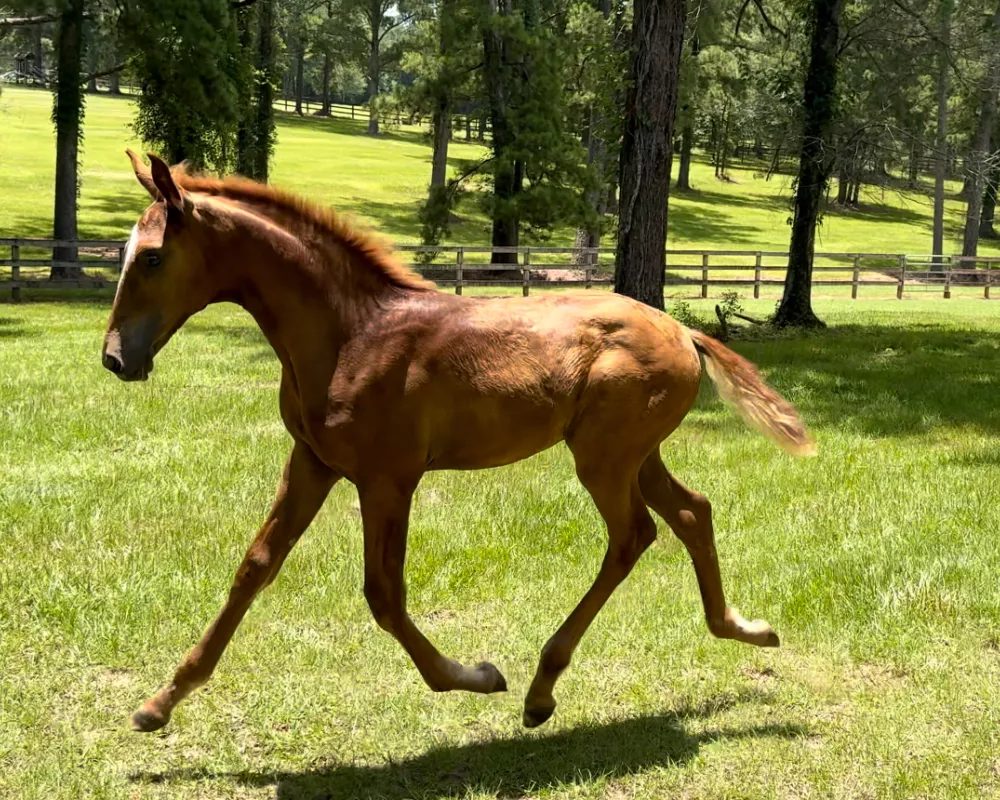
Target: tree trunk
pixel 715 146
pixel 941 140
pixel 986 229
pixel 913 171
pixel 724 156
pixel 244 131
pixel 507 173
pixel 68 116
pixel 843 181
pixel 92 63
pixel 684 170
pixel 981 144
pixel 441 131
pixel 650 108
pixel 374 67
pixel 814 163
pixel 327 72
pixel 774 167
pixel 300 68
pixel 966 190
pixel 589 235
pixel 856 192
pixel 264 119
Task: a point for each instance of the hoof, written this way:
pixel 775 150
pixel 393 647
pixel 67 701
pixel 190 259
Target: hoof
pixel 493 678
pixel 758 632
pixel 533 717
pixel 148 721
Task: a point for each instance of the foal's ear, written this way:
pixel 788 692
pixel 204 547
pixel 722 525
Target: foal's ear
pixel 164 181
pixel 143 174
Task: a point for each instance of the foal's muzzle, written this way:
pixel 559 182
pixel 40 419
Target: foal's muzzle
pixel 128 351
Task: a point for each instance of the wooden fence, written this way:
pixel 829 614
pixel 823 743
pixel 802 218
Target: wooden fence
pixel 563 267
pixel 312 105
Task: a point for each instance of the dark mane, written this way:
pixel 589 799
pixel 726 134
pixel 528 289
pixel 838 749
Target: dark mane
pixel 325 220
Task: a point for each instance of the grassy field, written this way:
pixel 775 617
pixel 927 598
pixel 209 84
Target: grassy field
pixel 125 509
pixel 384 180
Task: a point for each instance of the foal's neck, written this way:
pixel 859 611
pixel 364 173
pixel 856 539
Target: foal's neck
pixel 308 292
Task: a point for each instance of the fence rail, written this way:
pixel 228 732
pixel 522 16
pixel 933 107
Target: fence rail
pixel 459 266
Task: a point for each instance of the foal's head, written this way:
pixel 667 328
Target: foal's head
pixel 164 278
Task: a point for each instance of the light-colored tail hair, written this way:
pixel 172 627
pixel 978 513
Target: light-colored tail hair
pixel 740 385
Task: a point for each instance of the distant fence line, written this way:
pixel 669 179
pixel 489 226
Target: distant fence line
pixel 313 106
pixel 460 266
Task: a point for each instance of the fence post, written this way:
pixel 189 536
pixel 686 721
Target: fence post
pixel 352 110
pixel 15 272
pixel 902 277
pixel 121 261
pixel 947 278
pixel 986 289
pixel 756 278
pixel 854 278
pixel 525 272
pixel 704 274
pixel 589 276
pixel 459 261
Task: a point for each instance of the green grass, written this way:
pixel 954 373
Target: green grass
pixel 124 510
pixel 384 180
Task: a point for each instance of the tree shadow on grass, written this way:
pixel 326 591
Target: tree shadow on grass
pixel 728 199
pixel 348 127
pixel 114 214
pixel 14 329
pixel 875 212
pixel 508 768
pixel 690 223
pixel 888 381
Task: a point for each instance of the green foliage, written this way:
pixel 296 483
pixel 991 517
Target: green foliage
pixel 537 140
pixel 435 215
pixel 730 304
pixel 194 77
pixel 681 311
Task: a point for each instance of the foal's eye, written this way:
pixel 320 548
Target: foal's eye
pixel 152 259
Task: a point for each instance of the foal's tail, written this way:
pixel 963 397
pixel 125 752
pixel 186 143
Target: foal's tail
pixel 739 384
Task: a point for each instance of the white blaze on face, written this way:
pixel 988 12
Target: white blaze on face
pixel 133 242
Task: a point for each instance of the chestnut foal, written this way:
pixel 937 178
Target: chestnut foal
pixel 384 378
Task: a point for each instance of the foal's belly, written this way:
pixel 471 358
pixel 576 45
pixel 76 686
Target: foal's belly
pixel 492 434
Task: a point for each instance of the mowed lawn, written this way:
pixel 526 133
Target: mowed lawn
pixel 124 510
pixel 382 181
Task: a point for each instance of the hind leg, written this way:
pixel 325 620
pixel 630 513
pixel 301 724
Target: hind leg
pixel 630 531
pixel 689 515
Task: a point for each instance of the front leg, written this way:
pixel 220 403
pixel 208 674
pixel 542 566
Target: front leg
pixel 304 486
pixel 385 512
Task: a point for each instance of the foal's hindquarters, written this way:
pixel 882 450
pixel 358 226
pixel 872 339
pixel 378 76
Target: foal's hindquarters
pixel 636 396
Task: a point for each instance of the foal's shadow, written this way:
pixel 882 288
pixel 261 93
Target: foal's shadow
pixel 505 767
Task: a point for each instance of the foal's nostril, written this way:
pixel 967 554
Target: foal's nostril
pixel 111 363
